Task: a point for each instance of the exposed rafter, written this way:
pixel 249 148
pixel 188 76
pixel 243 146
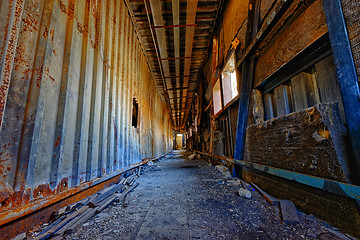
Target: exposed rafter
pixel 175 36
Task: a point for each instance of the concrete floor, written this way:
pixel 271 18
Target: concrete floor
pixel 188 199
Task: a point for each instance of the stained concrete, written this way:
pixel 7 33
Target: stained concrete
pixel 189 199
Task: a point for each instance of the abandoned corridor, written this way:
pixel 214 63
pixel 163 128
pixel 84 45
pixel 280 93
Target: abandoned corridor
pixel 182 199
pixel 90 90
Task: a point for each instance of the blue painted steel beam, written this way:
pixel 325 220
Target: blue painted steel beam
pixel 346 72
pixel 339 188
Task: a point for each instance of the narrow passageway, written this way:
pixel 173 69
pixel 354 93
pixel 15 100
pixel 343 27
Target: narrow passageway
pixel 178 198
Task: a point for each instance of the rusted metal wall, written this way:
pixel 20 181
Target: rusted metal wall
pixel 70 70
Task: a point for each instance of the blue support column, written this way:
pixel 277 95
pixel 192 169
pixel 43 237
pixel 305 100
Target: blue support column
pixel 346 72
pixel 246 85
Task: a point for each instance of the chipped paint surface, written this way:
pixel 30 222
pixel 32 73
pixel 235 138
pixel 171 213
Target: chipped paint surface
pixel 70 70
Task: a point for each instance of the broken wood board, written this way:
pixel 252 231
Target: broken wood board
pixel 288 212
pixel 78 221
pixel 56 227
pixel 270 199
pixel 104 195
pixel 126 200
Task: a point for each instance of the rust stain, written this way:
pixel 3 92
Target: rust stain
pixel 30 24
pixel 46 33
pixel 43 191
pixel 9 57
pixel 71 9
pixel 51 78
pixel 62 7
pixel 38 73
pixel 52 34
pixel 63 185
pixel 80 28
pixel 57 142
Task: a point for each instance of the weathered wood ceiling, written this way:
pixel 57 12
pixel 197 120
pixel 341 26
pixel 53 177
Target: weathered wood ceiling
pixel 175 35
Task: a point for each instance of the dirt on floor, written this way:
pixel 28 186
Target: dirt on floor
pixel 178 198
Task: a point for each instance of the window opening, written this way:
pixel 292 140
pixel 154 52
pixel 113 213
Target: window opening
pixel 229 80
pixel 135 113
pixel 217 97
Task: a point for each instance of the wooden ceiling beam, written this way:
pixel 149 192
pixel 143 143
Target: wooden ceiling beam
pixel 157 11
pixel 176 21
pixel 191 9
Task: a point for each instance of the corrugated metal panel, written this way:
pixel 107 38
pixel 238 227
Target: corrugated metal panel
pixel 69 72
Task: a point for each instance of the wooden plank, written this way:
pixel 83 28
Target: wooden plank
pixel 269 108
pixel 282 101
pixel 45 234
pixel 288 212
pixel 104 195
pixel 157 11
pixel 106 203
pixel 176 21
pixel 189 39
pixel 78 221
pixel 298 84
pixel 130 189
pixel 126 200
pixel 270 199
pixel 312 92
pixel 328 83
pixel 71 226
pixel 290 97
pixel 56 227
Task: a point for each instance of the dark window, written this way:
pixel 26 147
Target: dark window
pixel 135 113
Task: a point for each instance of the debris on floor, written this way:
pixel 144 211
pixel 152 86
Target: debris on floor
pixel 189 199
pixel 244 193
pixel 270 199
pixel 66 220
pixel 224 170
pixel 288 212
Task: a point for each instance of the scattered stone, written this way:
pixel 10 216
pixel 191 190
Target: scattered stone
pixel 244 193
pixel 224 171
